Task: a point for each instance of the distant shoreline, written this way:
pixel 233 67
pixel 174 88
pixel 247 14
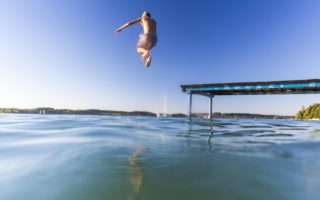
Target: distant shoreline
pixel 242 116
pixel 45 110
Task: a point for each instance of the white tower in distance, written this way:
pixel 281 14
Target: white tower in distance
pixel 165 106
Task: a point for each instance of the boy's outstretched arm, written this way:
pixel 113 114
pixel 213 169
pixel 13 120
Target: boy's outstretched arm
pixel 128 24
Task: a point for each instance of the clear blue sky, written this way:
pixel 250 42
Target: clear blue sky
pixel 64 53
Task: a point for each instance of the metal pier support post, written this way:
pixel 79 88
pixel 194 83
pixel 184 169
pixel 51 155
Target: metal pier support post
pixel 190 106
pixel 210 107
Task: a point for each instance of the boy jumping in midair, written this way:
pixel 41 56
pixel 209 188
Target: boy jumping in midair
pixel 148 39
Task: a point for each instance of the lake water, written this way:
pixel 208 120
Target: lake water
pixel 71 157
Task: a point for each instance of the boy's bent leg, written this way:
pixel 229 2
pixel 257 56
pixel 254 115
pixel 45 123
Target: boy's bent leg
pixel 145 55
pixel 143 52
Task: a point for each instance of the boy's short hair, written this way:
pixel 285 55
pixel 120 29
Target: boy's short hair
pixel 148 14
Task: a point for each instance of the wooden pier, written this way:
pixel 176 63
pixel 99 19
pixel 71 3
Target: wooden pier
pixel 310 86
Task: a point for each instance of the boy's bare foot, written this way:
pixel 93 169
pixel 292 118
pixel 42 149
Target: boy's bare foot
pixel 148 62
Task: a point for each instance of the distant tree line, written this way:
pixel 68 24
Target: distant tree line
pixel 48 110
pixel 312 112
pixel 45 110
pixel 241 115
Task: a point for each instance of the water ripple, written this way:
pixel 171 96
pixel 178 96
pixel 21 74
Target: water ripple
pixel 81 156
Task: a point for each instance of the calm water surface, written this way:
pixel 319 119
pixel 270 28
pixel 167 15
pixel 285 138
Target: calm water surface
pixel 70 157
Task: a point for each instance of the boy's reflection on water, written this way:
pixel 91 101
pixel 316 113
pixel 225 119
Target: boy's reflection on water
pixel 135 173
